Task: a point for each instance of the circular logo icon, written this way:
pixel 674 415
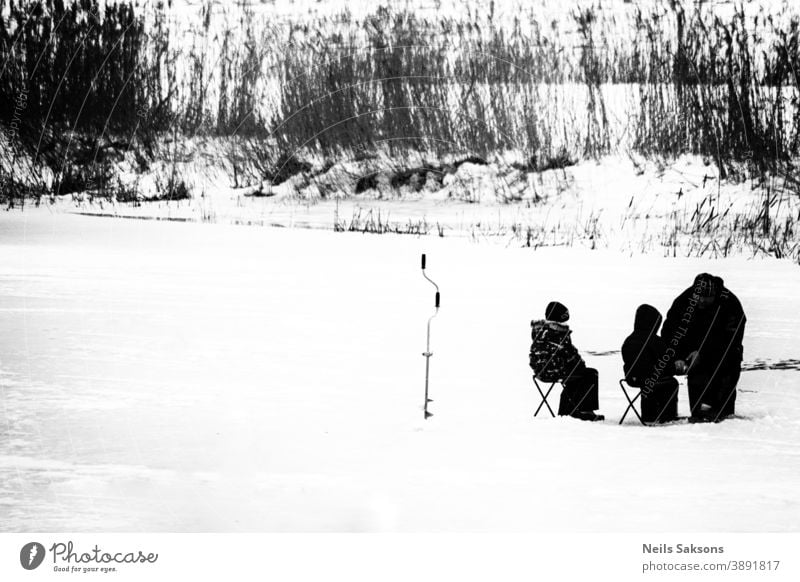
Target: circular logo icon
pixel 31 555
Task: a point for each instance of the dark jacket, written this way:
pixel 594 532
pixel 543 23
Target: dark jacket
pixel 716 331
pixel 552 355
pixel 647 359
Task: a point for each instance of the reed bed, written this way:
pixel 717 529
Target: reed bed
pixel 86 85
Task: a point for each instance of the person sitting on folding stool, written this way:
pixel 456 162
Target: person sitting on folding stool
pixel 651 365
pixel 554 358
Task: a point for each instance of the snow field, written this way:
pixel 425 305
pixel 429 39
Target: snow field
pixel 184 377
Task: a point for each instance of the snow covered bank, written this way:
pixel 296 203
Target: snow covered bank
pixel 189 377
pixel 638 206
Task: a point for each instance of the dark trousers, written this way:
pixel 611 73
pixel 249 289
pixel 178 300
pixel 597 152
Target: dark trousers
pixel 580 392
pixel 660 403
pixel 716 390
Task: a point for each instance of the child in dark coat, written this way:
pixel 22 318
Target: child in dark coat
pixel 553 358
pixel 651 365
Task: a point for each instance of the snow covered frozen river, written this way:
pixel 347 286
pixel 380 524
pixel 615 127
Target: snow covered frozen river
pixel 184 377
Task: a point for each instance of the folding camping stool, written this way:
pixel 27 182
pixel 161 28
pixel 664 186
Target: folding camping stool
pixel 544 395
pixel 631 402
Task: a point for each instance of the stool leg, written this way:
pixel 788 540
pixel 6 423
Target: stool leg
pixel 544 398
pixel 636 412
pixel 553 414
pixel 624 414
pixel 631 404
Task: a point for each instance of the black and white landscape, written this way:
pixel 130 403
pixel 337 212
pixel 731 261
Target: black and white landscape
pixel 212 312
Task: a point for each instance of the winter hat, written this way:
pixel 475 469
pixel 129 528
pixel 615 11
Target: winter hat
pixel 647 318
pixel 706 285
pixel 556 312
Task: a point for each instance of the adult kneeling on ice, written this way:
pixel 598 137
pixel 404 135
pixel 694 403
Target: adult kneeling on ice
pixel 650 365
pixel 705 326
pixel 554 358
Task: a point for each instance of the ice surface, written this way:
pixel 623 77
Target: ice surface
pixel 187 377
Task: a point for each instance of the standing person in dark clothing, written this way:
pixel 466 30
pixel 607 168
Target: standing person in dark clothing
pixel 650 365
pixel 705 326
pixel 554 358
